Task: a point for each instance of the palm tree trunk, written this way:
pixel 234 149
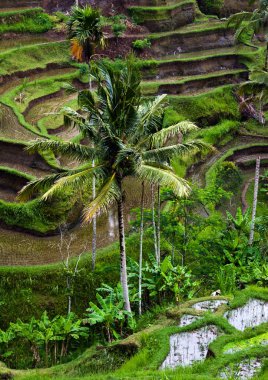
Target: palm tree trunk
pixel 122 243
pixel 94 219
pixel 266 58
pixel 141 248
pixel 69 295
pixel 158 224
pixel 153 221
pixel 255 200
pixel 94 224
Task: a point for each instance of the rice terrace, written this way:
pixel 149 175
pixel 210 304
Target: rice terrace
pixel 134 189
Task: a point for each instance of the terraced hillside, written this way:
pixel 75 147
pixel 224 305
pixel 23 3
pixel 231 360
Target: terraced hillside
pixel 193 58
pixel 202 339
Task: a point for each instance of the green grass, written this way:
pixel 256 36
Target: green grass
pixel 221 133
pixel 191 29
pixel 208 108
pixel 142 14
pixel 152 87
pixel 51 122
pixel 16 173
pixel 35 90
pixel 25 21
pixel 34 56
pixel 153 346
pixel 211 173
pixel 246 344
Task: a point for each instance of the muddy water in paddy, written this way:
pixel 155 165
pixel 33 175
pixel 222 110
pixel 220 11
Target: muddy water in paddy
pixel 19 248
pixel 52 107
pixel 11 128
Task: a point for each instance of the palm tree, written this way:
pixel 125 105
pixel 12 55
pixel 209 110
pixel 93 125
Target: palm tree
pixel 128 141
pixel 252 22
pixel 85 32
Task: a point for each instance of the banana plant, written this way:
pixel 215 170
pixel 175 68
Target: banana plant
pixel 109 312
pixel 166 280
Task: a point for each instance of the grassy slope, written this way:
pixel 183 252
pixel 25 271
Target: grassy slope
pixel 153 346
pixel 27 20
pixel 33 56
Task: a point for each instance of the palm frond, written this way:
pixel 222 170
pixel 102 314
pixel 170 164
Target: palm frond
pixel 164 176
pixel 73 150
pixel 74 180
pixel 72 117
pixel 187 149
pixel 107 195
pixel 38 185
pixel 158 139
pixel 149 116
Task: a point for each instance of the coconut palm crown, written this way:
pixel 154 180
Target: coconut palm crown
pixel 128 140
pixel 84 31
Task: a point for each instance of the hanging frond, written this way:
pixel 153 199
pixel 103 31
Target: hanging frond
pixel 37 186
pixel 184 150
pixel 73 150
pixel 163 176
pixel 107 195
pixel 76 179
pixel 72 117
pixel 158 139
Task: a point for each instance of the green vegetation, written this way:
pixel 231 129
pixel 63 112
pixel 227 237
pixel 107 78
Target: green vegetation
pixel 33 57
pixel 23 21
pixel 141 44
pixel 211 7
pixel 143 14
pixel 122 311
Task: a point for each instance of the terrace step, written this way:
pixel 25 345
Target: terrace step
pixel 193 84
pixel 149 3
pixel 238 50
pixel 190 38
pixel 164 18
pixel 14 156
pixel 11 182
pixel 189 67
pixel 19 4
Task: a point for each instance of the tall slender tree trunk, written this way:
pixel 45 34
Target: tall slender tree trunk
pixel 68 281
pixel 122 243
pixel 94 224
pixel 158 226
pixel 255 200
pixel 153 221
pixel 266 58
pixel 94 219
pixel 185 237
pixel 141 248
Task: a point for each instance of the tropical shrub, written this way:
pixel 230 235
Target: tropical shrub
pixel 110 313
pixel 141 44
pixel 48 340
pixel 165 280
pixel 228 176
pixel 211 7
